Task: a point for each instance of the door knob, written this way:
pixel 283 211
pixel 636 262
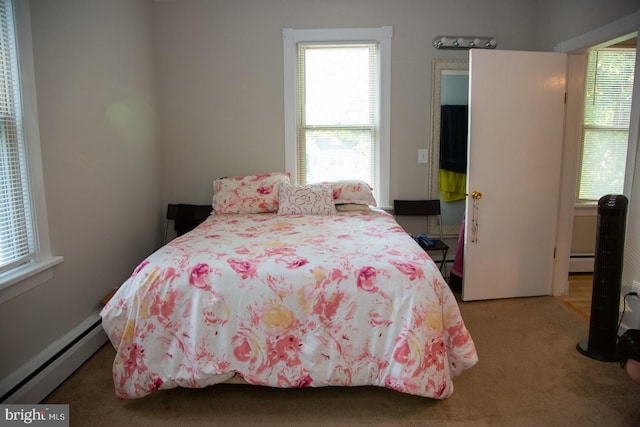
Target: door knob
pixel 475 194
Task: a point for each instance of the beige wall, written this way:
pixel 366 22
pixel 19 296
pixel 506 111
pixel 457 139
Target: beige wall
pixel 220 79
pixel 94 83
pixel 219 68
pixel 583 238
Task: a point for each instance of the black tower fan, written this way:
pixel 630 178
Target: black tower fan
pixel 607 276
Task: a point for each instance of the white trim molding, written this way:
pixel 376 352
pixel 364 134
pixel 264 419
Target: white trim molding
pixel 22 279
pixel 603 34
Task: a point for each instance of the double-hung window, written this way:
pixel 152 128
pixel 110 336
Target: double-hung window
pixel 17 243
pixel 337 106
pixel 25 256
pixel 608 95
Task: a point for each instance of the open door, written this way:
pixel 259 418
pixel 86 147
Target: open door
pixel 516 121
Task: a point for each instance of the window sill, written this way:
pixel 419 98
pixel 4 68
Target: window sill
pixel 27 277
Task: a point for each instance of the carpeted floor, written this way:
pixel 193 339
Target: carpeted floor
pixel 529 374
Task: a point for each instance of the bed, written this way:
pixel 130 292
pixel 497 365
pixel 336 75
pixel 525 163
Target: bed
pixel 293 291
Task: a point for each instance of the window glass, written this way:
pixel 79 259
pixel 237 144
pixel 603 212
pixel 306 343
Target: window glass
pixel 337 117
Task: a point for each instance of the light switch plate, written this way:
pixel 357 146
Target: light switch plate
pixel 423 155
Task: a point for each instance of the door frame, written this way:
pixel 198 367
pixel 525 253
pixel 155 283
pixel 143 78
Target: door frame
pixel 576 48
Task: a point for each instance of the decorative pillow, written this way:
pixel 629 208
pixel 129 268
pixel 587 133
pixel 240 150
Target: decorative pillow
pixel 353 191
pixel 314 199
pixel 352 207
pixel 248 194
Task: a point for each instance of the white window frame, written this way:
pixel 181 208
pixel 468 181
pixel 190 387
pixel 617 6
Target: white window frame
pixel 582 202
pixel 36 272
pixel 382 35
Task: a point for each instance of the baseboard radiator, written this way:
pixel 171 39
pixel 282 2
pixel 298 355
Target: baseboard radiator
pixel 36 379
pixel 581 263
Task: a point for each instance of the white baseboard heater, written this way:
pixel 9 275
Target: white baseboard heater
pixel 581 263
pixel 36 379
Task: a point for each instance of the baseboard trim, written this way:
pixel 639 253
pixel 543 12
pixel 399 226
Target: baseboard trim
pixel 36 379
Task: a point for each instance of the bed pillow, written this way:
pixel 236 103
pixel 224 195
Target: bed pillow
pixel 248 194
pixel 353 191
pixel 312 199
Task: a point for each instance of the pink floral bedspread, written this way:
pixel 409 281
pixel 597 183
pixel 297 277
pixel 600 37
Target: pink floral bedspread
pixel 289 301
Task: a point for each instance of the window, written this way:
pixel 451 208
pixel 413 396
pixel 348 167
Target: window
pixel 608 95
pixel 17 244
pixel 25 256
pixel 337 112
pixel 337 106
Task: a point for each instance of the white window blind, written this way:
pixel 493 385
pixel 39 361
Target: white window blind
pixel 608 95
pixel 17 243
pixel 338 111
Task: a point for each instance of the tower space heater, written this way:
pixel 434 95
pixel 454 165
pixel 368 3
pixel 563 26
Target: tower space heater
pixel 607 276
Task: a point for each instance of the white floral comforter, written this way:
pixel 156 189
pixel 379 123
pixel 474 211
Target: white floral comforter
pixel 289 301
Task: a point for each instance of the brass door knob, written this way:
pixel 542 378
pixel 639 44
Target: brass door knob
pixel 475 194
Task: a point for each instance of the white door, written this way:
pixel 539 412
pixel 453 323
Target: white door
pixel 516 119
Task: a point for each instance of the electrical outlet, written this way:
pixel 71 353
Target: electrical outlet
pixel 635 287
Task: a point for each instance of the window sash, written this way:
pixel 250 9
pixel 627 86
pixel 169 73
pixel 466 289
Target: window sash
pixel 353 158
pixel 17 240
pixel 336 140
